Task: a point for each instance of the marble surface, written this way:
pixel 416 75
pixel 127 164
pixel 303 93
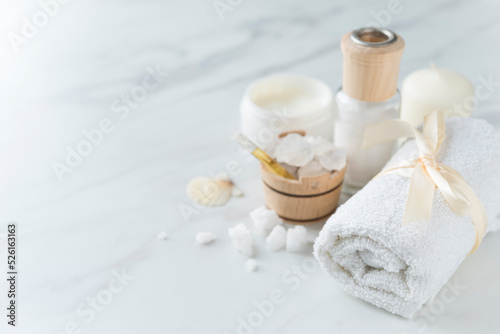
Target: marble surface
pixel 99 221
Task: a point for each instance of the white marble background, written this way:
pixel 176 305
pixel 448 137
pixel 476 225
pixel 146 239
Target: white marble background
pixel 104 215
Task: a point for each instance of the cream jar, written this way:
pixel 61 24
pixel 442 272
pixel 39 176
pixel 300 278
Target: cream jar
pixel 286 102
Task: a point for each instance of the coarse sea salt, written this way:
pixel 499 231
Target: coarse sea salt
pixel 251 265
pixel 236 192
pixel 319 144
pixel 290 169
pixel 277 238
pixel 313 168
pixel 204 238
pixel 306 156
pixel 242 239
pixel 296 238
pixel 333 159
pixel 294 150
pixel 264 219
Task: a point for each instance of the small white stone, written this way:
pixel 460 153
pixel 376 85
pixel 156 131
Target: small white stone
pixel 296 238
pixel 294 150
pixel 242 239
pixel 334 159
pixel 277 238
pixel 251 265
pixel 264 220
pixel 162 235
pixel 204 238
pixel 313 168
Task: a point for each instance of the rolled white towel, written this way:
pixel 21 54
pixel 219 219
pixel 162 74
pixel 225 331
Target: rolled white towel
pixel 374 257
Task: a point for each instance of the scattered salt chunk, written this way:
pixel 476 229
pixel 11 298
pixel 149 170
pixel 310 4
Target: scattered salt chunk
pixel 251 265
pixel 264 220
pixel 296 238
pixel 294 150
pixel 236 192
pixel 334 159
pixel 204 238
pixel 162 235
pixel 242 239
pixel 313 168
pixel 239 231
pixel 277 238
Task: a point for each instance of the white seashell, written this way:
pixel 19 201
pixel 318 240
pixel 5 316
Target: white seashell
pixel 210 192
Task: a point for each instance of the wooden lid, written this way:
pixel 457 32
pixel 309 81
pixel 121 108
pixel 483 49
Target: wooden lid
pixel 371 63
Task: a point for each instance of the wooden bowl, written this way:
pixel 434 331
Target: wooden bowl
pixel 306 200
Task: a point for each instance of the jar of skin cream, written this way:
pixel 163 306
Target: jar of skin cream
pixel 286 102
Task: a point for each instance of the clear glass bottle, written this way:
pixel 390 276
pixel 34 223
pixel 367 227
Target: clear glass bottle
pixel 354 116
pixel 368 95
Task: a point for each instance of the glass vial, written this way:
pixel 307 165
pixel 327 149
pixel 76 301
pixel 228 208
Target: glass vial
pixel 354 116
pixel 368 95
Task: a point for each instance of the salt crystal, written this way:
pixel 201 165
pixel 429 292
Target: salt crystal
pixel 162 235
pixel 277 238
pixel 239 231
pixel 320 144
pixel 296 238
pixel 242 239
pixel 290 169
pixel 264 220
pixel 269 147
pixel 294 150
pixel 251 265
pixel 236 192
pixel 313 168
pixel 204 238
pixel 333 159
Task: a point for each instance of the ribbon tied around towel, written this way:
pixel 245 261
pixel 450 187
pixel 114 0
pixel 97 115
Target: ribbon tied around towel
pixel 426 173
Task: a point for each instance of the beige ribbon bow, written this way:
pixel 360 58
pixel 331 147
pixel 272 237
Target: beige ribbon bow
pixel 426 173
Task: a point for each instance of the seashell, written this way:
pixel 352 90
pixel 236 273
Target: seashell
pixel 210 192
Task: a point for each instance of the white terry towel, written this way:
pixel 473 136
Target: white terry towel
pixel 365 248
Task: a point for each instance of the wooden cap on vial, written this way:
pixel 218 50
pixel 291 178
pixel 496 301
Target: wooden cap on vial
pixel 371 63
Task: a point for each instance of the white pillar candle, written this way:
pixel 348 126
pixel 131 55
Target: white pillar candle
pixel 430 88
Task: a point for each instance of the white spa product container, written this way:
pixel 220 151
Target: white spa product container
pixel 286 102
pixel 368 95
